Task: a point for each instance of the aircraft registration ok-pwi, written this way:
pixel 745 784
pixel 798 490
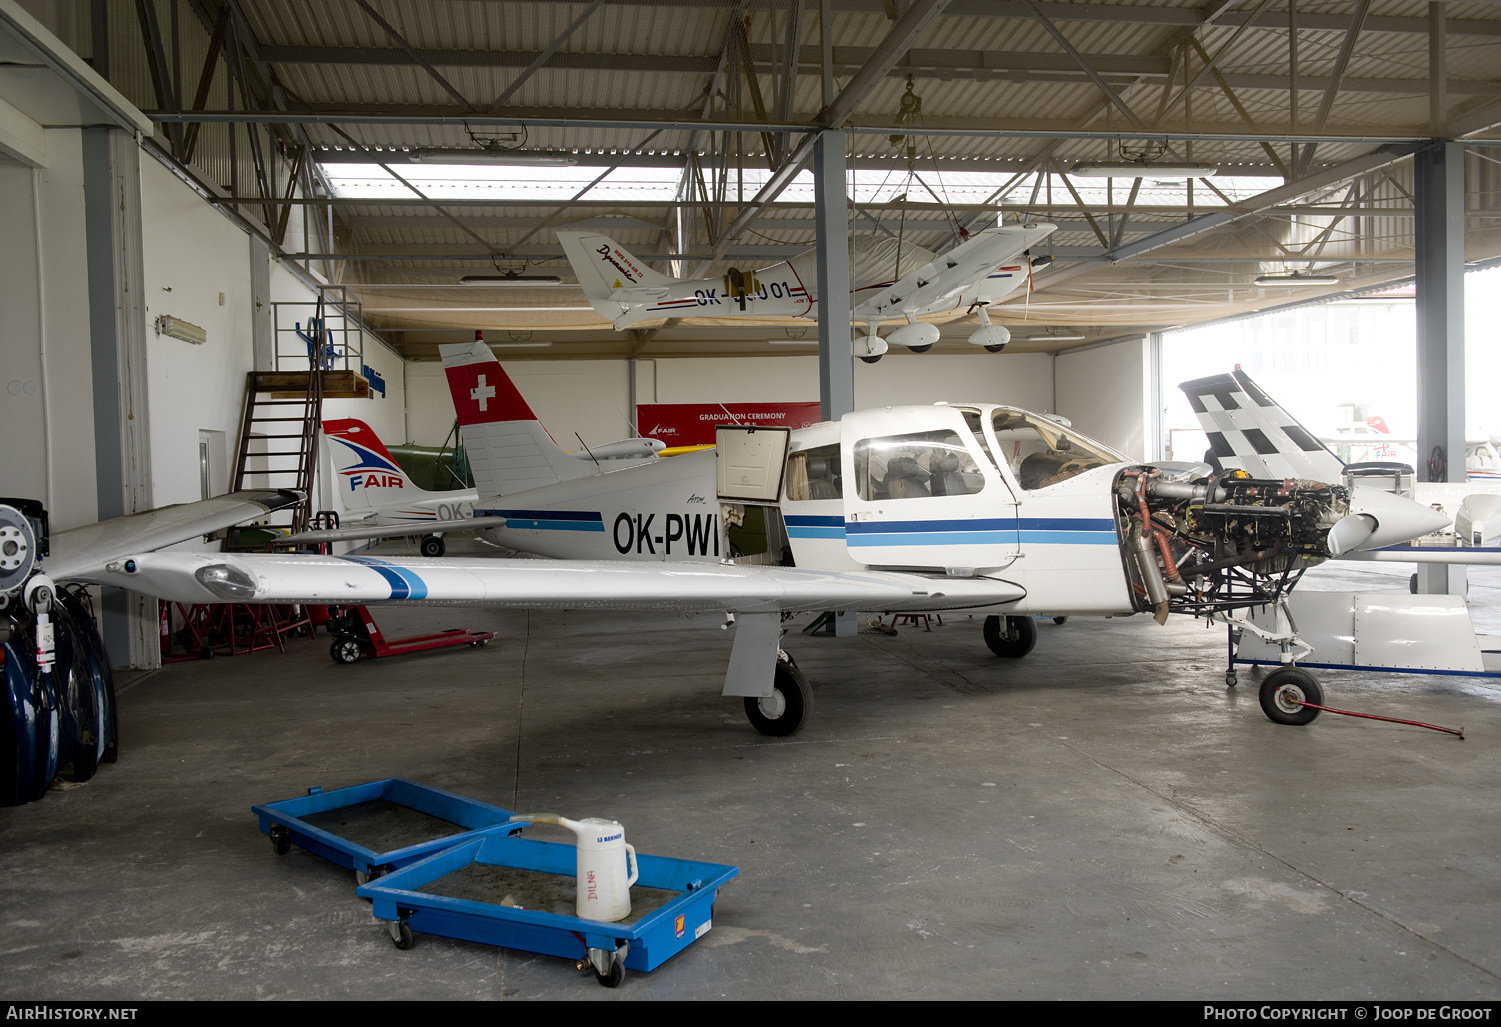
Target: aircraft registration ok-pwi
pixel 889 280
pixel 966 506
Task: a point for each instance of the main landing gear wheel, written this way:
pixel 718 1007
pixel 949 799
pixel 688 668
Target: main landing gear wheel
pixel 787 708
pixel 345 650
pixel 1013 640
pixel 1283 693
pixel 921 349
pixel 995 349
pixel 872 360
pixel 432 545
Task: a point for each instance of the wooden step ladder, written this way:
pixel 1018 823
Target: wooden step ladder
pixel 279 444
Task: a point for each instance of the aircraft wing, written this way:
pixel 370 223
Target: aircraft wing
pixel 544 584
pixel 79 554
pixel 399 530
pixel 949 275
pixel 1249 431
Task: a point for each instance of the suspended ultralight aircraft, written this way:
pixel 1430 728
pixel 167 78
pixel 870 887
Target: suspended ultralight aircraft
pixel 889 280
pixel 967 506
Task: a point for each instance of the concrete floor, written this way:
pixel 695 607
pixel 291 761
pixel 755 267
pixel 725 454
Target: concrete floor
pixel 1099 820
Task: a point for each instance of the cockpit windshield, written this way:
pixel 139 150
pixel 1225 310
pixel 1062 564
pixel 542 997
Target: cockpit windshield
pixel 1042 452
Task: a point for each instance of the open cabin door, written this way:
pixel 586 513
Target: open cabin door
pixel 751 466
pixel 920 490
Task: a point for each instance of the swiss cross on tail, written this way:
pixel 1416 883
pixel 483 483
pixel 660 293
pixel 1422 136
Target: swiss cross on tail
pixel 1248 430
pixel 482 392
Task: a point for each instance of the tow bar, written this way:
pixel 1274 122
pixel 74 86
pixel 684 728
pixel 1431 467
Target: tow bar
pixel 1394 720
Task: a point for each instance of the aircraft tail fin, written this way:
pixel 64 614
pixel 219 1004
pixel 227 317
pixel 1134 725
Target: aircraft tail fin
pixel 509 450
pixel 604 267
pixel 368 477
pixel 1248 430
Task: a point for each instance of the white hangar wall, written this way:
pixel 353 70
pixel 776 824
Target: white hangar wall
pixel 46 416
pixel 1106 391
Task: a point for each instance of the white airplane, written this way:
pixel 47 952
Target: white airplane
pixel 889 280
pixel 380 500
pixel 384 502
pixel 969 506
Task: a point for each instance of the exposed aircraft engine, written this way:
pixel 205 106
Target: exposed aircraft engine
pixel 1205 544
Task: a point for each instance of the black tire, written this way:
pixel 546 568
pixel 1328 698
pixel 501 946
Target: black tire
pixel 1284 690
pixel 616 974
pixel 402 939
pixel 1231 679
pixel 433 546
pixel 1412 584
pixel 995 349
pixel 921 349
pixel 1060 620
pixel 1015 640
pixel 786 711
pixel 281 839
pixel 872 360
pixel 346 650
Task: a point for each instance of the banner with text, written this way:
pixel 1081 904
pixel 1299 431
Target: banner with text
pixel 692 424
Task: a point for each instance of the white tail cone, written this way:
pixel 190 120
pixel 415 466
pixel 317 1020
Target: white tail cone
pixel 1397 518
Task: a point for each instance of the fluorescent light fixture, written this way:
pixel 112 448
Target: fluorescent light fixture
pixel 1061 337
pixel 1295 278
pixel 519 345
pixel 792 342
pixel 492 157
pixel 1138 169
pixel 523 281
pixel 180 329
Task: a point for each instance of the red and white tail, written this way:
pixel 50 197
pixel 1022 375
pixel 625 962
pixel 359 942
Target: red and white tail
pixel 367 476
pixel 509 450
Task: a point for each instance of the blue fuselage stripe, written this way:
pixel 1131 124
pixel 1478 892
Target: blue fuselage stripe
pixel 549 520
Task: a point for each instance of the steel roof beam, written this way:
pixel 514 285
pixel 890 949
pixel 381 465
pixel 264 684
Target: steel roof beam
pixel 1118 69
pixel 989 128
pixel 1112 14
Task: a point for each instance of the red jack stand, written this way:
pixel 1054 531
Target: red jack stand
pixel 356 635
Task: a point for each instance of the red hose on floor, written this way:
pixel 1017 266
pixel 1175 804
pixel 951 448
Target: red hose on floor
pixel 1395 720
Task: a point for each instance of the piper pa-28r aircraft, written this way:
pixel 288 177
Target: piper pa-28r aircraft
pixel 967 506
pixel 889 280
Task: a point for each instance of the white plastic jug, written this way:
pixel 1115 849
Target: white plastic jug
pixel 604 882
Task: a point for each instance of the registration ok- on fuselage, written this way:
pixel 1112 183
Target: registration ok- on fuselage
pixel 956 489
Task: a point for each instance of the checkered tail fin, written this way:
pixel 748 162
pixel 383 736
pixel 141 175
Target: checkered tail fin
pixel 1249 431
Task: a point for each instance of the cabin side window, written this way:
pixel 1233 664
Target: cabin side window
pixel 917 466
pixel 814 474
pixel 1041 452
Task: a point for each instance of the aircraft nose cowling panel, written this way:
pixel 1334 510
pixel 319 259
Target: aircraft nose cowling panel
pixel 1397 518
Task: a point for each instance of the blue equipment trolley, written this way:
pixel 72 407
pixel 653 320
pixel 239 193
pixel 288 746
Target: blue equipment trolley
pixel 380 826
pixel 518 893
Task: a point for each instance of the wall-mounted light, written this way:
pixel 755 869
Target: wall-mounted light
pixel 1058 337
pixel 177 328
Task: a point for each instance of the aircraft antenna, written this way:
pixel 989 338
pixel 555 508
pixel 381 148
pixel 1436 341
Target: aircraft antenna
pixel 733 419
pixel 588 450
